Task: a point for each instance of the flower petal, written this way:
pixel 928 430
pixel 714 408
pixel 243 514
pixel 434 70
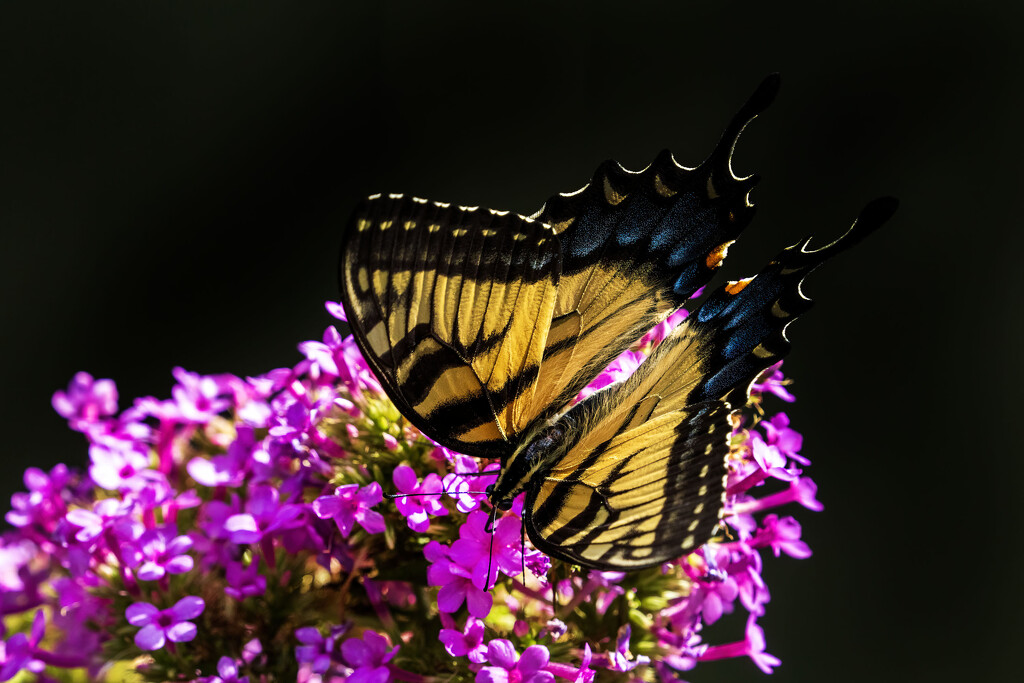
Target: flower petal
pixel 189 607
pixel 533 659
pixel 182 632
pixel 501 652
pixel 140 613
pixel 150 637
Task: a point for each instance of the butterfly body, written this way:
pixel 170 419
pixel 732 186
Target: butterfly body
pixel 483 326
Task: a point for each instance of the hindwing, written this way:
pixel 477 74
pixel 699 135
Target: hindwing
pixel 649 494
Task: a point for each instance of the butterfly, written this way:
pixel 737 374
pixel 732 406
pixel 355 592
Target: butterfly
pixel 483 326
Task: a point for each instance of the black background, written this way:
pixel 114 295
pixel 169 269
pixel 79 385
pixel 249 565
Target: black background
pixel 173 179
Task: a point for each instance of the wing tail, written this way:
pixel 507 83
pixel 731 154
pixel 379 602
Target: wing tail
pixel 742 325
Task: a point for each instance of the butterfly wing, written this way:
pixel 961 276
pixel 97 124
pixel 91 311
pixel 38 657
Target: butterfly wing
pixel 636 246
pixel 642 478
pixel 651 493
pixel 451 308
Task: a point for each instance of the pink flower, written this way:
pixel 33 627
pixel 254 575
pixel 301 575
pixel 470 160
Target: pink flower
pixel 509 667
pixel 369 657
pixel 159 626
pixel 466 643
pixel 424 501
pixel 752 646
pixel 351 504
pixel 86 401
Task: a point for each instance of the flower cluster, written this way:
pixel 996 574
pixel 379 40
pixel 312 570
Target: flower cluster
pixel 294 526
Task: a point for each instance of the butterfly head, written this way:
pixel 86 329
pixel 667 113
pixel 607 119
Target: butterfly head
pixel 518 471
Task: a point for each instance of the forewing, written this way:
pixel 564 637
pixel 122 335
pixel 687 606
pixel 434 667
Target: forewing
pixel 451 307
pixel 650 494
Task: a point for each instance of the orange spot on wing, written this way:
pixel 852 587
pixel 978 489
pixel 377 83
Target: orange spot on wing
pixel 717 255
pixel 736 286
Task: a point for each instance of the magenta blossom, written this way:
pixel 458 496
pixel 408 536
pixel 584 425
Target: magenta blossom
pixel 158 626
pixel 456 583
pixel 351 504
pixel 752 646
pixel 466 643
pixel 86 401
pixel 425 501
pixel 369 657
pixel 509 667
pixel 479 550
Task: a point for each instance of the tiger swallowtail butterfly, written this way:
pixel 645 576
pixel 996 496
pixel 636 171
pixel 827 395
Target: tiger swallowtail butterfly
pixel 483 326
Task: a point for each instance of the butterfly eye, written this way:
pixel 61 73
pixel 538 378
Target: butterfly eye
pixel 489 490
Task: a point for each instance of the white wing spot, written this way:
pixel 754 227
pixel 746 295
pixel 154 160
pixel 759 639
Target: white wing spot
pixel 688 542
pixel 419 200
pixel 374 196
pixel 469 208
pixel 442 205
pixel 703 490
pixel 699 508
pixel 394 196
pixel 384 225
pixel 704 470
pixel 693 525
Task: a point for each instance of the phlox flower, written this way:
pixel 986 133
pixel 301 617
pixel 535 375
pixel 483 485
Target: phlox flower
pixel 773 382
pixel 507 666
pixel 751 646
pixel 318 652
pixel 158 626
pixel 199 398
pixel 425 501
pixel 456 583
pixel 86 402
pixel 116 464
pixel 782 536
pixel 469 642
pixel 227 672
pixel 621 659
pixel 43 504
pixel 368 657
pixel 350 505
pixel 158 552
pixel 18 653
pixel 478 550
pixel 264 514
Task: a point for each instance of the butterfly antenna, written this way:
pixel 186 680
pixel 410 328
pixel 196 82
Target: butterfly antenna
pixel 490 551
pixel 442 492
pixel 522 542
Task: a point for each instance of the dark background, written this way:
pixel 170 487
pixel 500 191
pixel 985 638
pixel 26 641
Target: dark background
pixel 173 180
